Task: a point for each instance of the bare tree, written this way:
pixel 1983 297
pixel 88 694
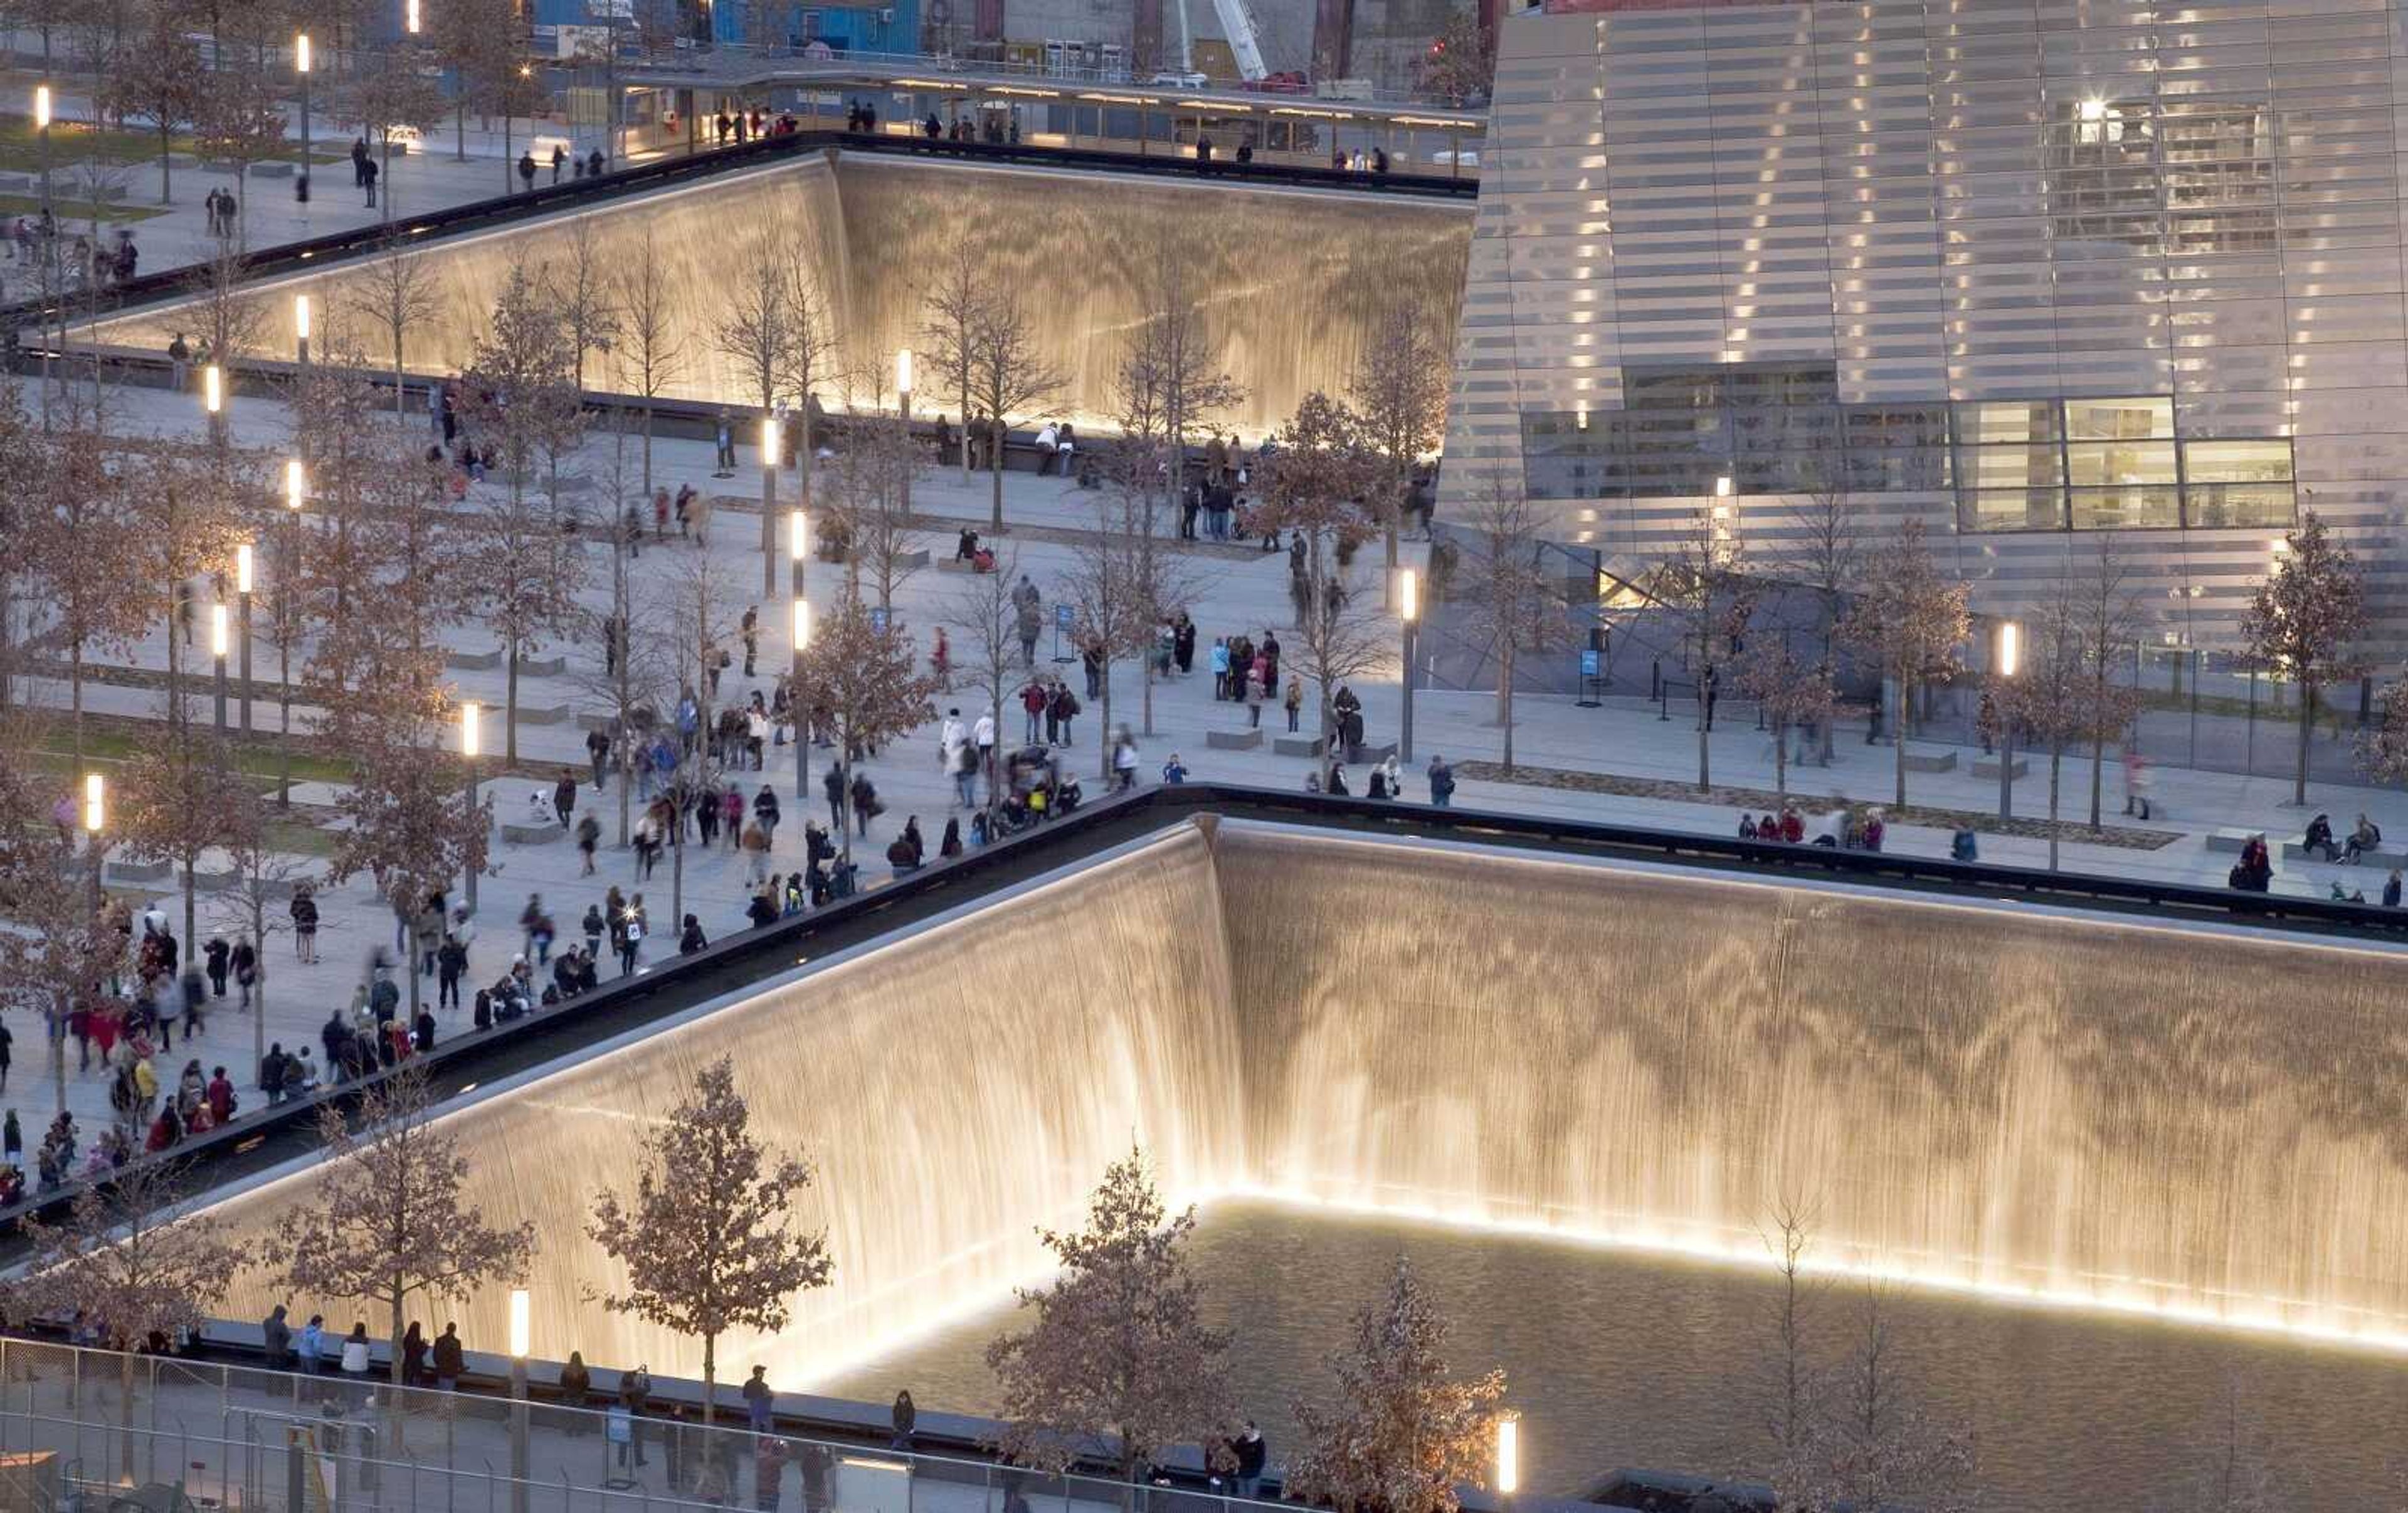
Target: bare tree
pixel 1461 61
pixel 695 619
pixel 1106 584
pixel 868 680
pixel 653 354
pixel 1314 489
pixel 863 502
pixel 129 1262
pixel 1868 1445
pixel 988 619
pixel 1819 553
pixel 952 308
pixel 1008 373
pixel 1793 690
pixel 584 297
pixel 396 292
pixel 389 1219
pixel 1910 620
pixel 181 797
pixel 82 500
pixel 2108 614
pixel 2383 750
pixel 1170 380
pixel 1699 589
pixel 56 948
pixel 237 120
pixel 1399 389
pixel 159 78
pixel 391 96
pixel 707 1237
pixel 2305 622
pixel 1401 1431
pixel 776 330
pixel 1117 1361
pixel 524 567
pixel 1512 602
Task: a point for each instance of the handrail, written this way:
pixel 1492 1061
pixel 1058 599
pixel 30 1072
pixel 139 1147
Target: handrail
pixel 644 178
pixel 256 1143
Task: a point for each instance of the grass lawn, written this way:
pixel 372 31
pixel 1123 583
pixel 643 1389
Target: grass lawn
pixel 71 212
pixel 108 745
pixel 21 146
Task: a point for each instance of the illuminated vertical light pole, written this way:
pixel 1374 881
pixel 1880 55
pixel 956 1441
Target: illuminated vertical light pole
pixel 903 390
pixel 800 704
pixel 242 584
pixel 520 1328
pixel 799 547
pixel 2007 659
pixel 1509 1458
pixel 95 820
pixel 44 250
pixel 296 488
pixel 411 25
pixel 1409 609
pixel 770 505
pixel 214 401
pixel 221 642
pixel 301 69
pixel 472 717
pixel 301 332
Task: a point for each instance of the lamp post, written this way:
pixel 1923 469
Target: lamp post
pixel 44 250
pixel 800 704
pixel 301 67
pixel 296 488
pixel 220 642
pixel 1409 609
pixel 770 505
pixel 301 332
pixel 242 582
pixel 1509 1458
pixel 903 392
pixel 520 1330
pixel 214 401
pixel 470 717
pixel 2006 662
pixel 95 819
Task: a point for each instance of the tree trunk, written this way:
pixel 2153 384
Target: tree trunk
pixel 994 467
pixel 2307 725
pixel 709 1388
pixel 510 701
pixel 1104 728
pixel 648 455
pixel 1897 735
pixel 191 859
pixel 1780 763
pixel 2055 762
pixel 460 128
pixel 2097 776
pixel 75 685
pixel 397 1366
pixel 1705 778
pixel 1505 704
pixel 166 153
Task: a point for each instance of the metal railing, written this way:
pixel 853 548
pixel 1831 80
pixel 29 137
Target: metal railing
pixel 97 1424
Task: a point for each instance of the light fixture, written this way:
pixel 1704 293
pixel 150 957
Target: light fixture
pixel 471 719
pixel 220 643
pixel 2010 637
pixel 242 567
pixel 301 316
pixel 1408 595
pixel 95 802
pixel 903 370
pixel 301 53
pixel 802 623
pixel 41 107
pixel 798 535
pixel 1509 1455
pixel 409 18
pixel 213 388
pixel 295 484
pixel 1723 487
pixel 521 1324
pixel 768 440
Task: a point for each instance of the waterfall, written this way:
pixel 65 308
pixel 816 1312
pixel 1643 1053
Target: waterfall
pixel 2173 1117
pixel 1291 282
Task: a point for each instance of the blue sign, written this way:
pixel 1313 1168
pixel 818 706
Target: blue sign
pixel 1591 662
pixel 1061 620
pixel 877 621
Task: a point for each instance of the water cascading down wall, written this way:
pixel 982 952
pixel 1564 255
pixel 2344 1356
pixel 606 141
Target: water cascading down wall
pixel 2176 1119
pixel 1291 282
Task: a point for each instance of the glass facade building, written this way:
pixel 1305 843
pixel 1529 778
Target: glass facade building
pixel 2018 270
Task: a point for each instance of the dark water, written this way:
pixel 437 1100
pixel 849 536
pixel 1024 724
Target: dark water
pixel 1622 1358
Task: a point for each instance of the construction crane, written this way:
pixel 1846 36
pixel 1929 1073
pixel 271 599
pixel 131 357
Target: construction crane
pixel 1242 46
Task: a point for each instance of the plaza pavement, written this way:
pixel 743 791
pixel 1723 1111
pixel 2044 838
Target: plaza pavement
pixel 1237 591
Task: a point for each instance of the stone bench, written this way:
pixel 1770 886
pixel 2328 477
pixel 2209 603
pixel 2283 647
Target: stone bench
pixel 1234 740
pixel 138 872
pixel 952 563
pixel 1367 752
pixel 541 667
pixel 1298 745
pixel 1926 762
pixel 532 835
pixel 20 183
pixel 2295 851
pixel 472 662
pixel 911 561
pixel 2230 840
pixel 271 170
pixel 1988 767
pixel 546 713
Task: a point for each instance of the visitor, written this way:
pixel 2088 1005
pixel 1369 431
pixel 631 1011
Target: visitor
pixel 2365 838
pixel 1441 783
pixel 450 1362
pixel 2320 838
pixel 1252 1454
pixel 758 1400
pixel 905 1416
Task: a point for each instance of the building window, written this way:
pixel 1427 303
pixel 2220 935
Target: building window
pixel 2102 463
